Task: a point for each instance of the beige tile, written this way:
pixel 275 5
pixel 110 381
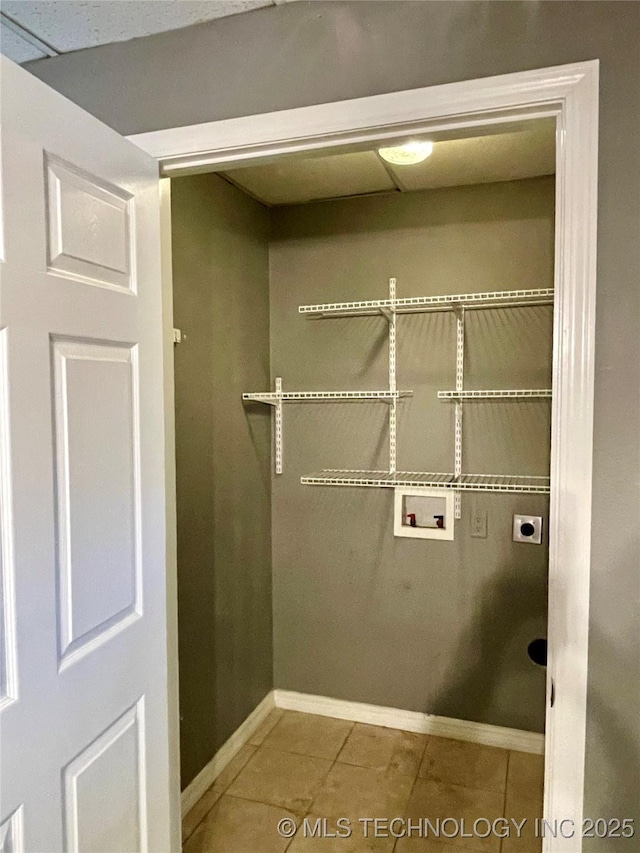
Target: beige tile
pixel 525 777
pixel 511 844
pixel 519 809
pixel 281 779
pixel 239 826
pixel 380 748
pixel 519 805
pixel 437 801
pixel 308 734
pixel 306 842
pixel 265 727
pixel 427 845
pixel 524 801
pixel 408 753
pixel 213 794
pixel 458 762
pixel 362 792
pixel 234 767
pixel 528 842
pixel 199 811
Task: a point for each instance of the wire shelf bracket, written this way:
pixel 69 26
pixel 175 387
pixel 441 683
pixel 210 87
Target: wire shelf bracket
pixel 278 398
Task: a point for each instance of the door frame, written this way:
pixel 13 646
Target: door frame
pixel 568 93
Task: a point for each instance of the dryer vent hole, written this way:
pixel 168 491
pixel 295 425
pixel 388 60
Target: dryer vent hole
pixel 537 651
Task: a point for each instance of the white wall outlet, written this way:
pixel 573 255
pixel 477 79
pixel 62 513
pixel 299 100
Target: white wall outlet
pixel 479 524
pixel 527 528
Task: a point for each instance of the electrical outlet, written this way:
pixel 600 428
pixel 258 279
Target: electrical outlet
pixel 479 524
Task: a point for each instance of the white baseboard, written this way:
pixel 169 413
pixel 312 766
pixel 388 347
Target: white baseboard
pixel 411 721
pixel 207 776
pixel 358 712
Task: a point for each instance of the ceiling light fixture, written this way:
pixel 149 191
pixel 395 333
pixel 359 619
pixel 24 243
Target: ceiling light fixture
pixel 407 154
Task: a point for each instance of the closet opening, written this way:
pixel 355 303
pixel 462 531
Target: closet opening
pixel 363 392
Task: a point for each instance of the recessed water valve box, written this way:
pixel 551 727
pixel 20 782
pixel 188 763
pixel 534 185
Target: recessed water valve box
pixel 424 513
pixel 527 528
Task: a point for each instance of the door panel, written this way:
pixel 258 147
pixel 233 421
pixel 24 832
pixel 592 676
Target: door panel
pixel 89 235
pixel 84 733
pixel 97 438
pixel 104 802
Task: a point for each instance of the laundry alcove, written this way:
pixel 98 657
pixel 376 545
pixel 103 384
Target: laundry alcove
pixel 304 586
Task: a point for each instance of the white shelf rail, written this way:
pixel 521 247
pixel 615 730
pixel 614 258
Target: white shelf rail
pixel 417 479
pixel 457 465
pixel 497 394
pixel 429 304
pixel 277 439
pixel 393 408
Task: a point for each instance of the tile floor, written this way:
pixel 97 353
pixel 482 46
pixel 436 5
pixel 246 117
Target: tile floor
pixel 301 765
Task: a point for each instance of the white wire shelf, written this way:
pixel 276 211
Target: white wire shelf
pixel 428 304
pixel 497 394
pixel 273 398
pixel 465 482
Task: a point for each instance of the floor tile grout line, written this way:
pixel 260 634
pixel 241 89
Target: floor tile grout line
pixel 344 742
pixel 262 803
pixel 207 813
pixel 263 745
pixel 222 792
pixel 415 779
pixel 322 781
pixel 365 767
pixel 230 782
pixel 504 801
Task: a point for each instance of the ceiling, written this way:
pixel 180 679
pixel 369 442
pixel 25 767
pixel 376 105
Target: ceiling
pixel 524 152
pixel 33 29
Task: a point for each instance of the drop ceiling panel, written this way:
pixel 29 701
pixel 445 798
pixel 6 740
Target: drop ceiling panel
pixel 483 160
pixel 74 24
pixel 17 48
pixel 294 181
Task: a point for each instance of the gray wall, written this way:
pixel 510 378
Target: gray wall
pixel 306 53
pixel 221 304
pixel 359 614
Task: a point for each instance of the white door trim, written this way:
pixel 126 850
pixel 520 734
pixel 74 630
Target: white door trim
pixel 570 94
pixel 171 522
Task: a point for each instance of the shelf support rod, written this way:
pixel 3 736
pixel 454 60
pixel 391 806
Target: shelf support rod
pixel 457 469
pixel 393 408
pixel 278 427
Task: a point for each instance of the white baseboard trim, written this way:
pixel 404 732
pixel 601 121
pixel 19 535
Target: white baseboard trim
pixel 207 776
pixel 358 712
pixel 411 721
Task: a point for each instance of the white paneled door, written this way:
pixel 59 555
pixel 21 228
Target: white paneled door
pixel 83 651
